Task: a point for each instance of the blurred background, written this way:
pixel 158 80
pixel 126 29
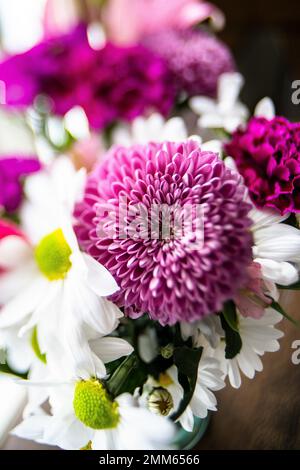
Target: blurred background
pixel 264 36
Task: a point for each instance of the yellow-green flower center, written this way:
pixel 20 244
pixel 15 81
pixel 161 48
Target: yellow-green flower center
pixel 53 256
pixel 93 406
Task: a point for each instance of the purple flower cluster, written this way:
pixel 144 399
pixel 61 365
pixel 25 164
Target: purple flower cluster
pixel 196 58
pixel 169 277
pixel 12 170
pixel 110 83
pixel 267 154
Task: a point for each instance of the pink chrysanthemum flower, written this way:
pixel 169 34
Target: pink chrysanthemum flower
pixel 267 154
pixel 170 278
pixel 196 58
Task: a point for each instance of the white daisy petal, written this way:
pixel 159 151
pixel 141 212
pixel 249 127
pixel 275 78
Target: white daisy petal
pixel 24 303
pixel 14 251
pixel 32 428
pixel 282 273
pixel 110 349
pixel 187 420
pixel 265 108
pixel 99 278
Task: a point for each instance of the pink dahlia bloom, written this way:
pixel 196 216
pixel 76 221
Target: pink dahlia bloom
pixel 145 17
pixel 109 84
pixel 267 154
pixel 169 277
pixel 196 58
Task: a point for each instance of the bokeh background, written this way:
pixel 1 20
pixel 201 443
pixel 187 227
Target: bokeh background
pixel 265 38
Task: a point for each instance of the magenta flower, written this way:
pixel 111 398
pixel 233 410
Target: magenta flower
pixel 169 277
pixel 267 154
pixel 111 83
pixel 196 58
pixel 12 171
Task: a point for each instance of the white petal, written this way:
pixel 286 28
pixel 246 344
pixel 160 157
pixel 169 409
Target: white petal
pixel 234 120
pixel 265 108
pixel 67 432
pixel 213 146
pixel 14 251
pixel 211 121
pixel 157 434
pixel 175 130
pixel 279 242
pixel 32 428
pixel 110 349
pixel 202 105
pixel 187 420
pixel 282 273
pixel 14 281
pixel 229 87
pixel 24 303
pixel 99 278
pixel 262 219
pixel 234 374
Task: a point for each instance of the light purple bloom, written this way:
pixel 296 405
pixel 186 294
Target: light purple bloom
pixel 12 171
pixel 195 57
pixel 166 277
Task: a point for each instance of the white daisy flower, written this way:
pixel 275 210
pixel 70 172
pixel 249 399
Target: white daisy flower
pixel 85 416
pixel 163 396
pixel 59 290
pixel 226 112
pixel 258 337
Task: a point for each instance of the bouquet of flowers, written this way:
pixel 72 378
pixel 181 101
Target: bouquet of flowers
pixel 144 243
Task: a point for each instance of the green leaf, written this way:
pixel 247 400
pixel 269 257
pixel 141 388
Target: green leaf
pixel 229 313
pixel 130 375
pixel 278 308
pixel 4 368
pixel 187 362
pixel 232 336
pixel 295 286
